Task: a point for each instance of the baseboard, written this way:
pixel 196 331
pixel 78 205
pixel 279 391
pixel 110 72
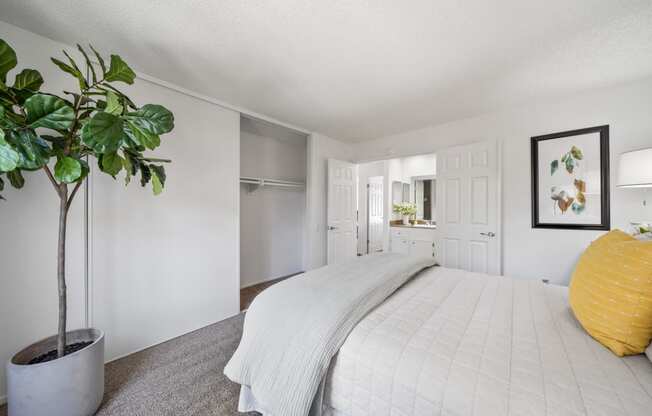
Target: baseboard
pixel 272 279
pixel 168 339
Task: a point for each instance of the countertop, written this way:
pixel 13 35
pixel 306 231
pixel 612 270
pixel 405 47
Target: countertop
pixel 418 227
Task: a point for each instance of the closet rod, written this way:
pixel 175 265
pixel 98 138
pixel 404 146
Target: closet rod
pixel 270 182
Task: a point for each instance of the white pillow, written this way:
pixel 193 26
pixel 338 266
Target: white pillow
pixel 644 237
pixel 641 230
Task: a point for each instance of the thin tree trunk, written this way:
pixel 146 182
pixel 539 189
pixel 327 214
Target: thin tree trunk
pixel 61 268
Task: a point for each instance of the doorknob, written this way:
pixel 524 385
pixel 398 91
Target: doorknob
pixel 331 228
pixel 489 234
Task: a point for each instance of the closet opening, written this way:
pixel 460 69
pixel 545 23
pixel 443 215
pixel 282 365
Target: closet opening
pixel 272 205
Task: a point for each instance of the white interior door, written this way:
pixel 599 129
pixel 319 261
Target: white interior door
pixel 341 210
pixel 375 217
pixel 468 220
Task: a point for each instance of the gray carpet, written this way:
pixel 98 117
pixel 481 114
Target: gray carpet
pixel 182 376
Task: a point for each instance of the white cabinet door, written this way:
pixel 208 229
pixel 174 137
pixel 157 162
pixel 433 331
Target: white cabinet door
pixel 468 220
pixel 422 248
pixel 400 245
pixel 342 206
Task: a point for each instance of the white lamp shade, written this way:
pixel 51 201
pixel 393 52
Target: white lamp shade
pixel 635 169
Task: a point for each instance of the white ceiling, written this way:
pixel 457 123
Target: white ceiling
pixel 356 69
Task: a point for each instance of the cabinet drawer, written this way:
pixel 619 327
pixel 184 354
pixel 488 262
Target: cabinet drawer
pixel 422 234
pixel 396 232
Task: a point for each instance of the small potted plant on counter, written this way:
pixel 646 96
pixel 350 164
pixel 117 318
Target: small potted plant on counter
pixel 58 135
pixel 406 210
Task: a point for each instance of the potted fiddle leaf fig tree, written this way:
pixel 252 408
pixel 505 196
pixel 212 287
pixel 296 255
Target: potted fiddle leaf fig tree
pixel 59 135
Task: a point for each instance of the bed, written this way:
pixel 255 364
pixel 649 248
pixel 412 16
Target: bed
pixel 457 343
pixel 450 342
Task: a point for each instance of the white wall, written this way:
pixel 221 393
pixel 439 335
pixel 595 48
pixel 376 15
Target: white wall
pixel 167 265
pixel 420 165
pixel 271 218
pixel 320 149
pixel 366 171
pixel 536 253
pixel 161 266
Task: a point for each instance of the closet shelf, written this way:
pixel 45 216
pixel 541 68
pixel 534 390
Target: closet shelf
pixel 256 182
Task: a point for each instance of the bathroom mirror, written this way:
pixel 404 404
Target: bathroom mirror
pixel 425 192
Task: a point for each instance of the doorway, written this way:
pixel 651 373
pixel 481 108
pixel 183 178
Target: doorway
pixel 375 214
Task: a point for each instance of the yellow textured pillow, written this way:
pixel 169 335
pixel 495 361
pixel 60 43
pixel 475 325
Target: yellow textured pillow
pixel 611 292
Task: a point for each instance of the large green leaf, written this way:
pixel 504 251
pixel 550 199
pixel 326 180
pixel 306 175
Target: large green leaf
pixel 89 64
pixel 8 156
pixel 82 81
pixel 158 178
pixel 142 136
pixel 157 186
pixel 72 71
pixel 5 121
pixel 48 111
pixel 7 60
pixel 113 104
pixel 28 79
pixel 153 118
pixel 145 174
pixel 119 71
pixel 100 60
pixel 67 169
pixel 103 133
pixel 33 151
pixel 130 140
pixel 159 170
pixel 111 163
pixel 16 178
pixel 131 165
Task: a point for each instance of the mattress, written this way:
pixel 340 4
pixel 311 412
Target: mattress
pixel 452 342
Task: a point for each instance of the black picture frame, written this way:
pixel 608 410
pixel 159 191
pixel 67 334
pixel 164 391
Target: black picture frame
pixel 605 223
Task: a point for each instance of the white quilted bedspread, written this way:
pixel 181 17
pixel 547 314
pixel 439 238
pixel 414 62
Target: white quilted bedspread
pixel 457 343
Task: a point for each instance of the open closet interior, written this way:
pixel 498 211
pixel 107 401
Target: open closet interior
pixel 272 202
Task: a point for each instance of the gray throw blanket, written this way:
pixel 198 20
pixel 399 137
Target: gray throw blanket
pixel 294 328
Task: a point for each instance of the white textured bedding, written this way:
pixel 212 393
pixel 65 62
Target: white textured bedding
pixel 293 329
pixel 457 343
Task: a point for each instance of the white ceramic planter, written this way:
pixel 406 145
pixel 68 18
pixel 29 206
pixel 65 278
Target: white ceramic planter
pixel 406 220
pixel 68 386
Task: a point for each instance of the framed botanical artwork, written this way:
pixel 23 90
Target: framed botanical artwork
pixel 570 179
